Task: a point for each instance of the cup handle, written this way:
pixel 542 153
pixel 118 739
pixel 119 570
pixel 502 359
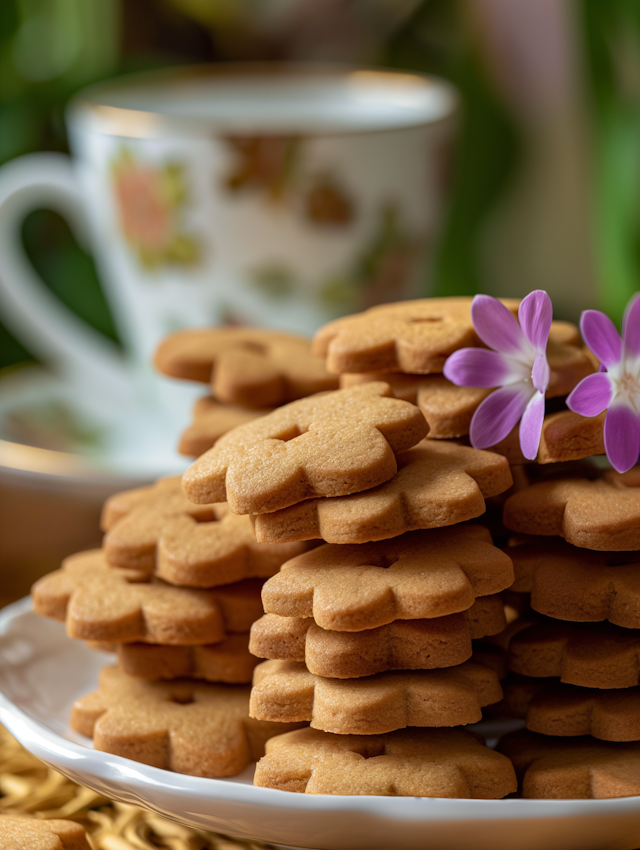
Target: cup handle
pixel 47 327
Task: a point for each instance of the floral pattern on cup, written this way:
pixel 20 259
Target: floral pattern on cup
pixel 150 201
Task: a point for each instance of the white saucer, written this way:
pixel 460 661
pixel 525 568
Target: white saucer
pixel 42 672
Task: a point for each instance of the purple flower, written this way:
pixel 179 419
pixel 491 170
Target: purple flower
pixel 616 387
pixel 517 364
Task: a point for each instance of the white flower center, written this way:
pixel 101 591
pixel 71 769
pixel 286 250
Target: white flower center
pixel 625 382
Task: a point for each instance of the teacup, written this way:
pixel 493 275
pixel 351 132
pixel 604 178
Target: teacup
pixel 274 195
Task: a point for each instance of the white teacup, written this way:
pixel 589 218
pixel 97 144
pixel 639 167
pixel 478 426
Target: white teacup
pixel 279 196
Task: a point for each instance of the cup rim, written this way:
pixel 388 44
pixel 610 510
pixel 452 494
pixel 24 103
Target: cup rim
pixel 126 121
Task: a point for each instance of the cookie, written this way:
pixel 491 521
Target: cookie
pixel 566 436
pixel 420 575
pixel 437 484
pixel 247 366
pixel 102 603
pixel 407 763
pixel 573 768
pixel 596 655
pixel 287 691
pixel 401 645
pixel 448 408
pixel 183 544
pixel 568 583
pixel 328 445
pixel 228 661
pixel 211 420
pixel 566 710
pixel 601 513
pixel 18 832
pixel 185 726
pixel 409 336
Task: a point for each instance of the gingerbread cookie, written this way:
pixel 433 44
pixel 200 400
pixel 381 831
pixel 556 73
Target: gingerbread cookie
pixel 596 655
pixel 409 336
pixel 400 645
pixel 246 366
pixel 184 544
pixel 422 574
pixel 189 727
pixel 287 691
pixel 212 420
pixel 102 603
pixel 566 436
pixel 602 513
pixel 407 763
pixel 228 661
pixel 18 832
pixel 437 484
pixel 567 583
pixel 573 768
pixel 567 710
pixel 329 445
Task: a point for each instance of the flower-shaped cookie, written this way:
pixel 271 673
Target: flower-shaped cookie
pixel 567 583
pixel 407 763
pixel 437 484
pixel 287 691
pixel 18 832
pixel 599 513
pixel 422 574
pixel 566 436
pixel 400 645
pixel 102 603
pixel 246 366
pixel 189 727
pixel 591 655
pixel 574 768
pixel 410 336
pixel 328 445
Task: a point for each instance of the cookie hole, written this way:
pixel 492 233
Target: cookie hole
pixel 622 559
pixel 254 347
pixel 423 320
pixel 384 562
pixel 290 435
pixel 371 751
pixel 182 699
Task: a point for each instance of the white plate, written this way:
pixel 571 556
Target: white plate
pixel 42 672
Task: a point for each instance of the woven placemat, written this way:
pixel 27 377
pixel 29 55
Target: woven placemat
pixel 28 787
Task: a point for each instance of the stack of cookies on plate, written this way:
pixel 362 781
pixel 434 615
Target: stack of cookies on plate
pixel 176 586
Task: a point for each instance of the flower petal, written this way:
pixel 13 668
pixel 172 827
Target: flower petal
pixel 631 327
pixel 479 367
pixel 535 315
pixel 540 373
pixel 600 334
pixel 496 326
pixel 591 396
pixel 531 426
pixel 498 415
pixel 621 437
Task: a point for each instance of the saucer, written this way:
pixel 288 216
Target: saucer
pixel 42 672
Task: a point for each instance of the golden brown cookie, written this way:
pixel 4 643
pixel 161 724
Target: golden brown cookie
pixel 572 768
pixel 409 336
pixel 400 645
pixel 228 661
pixel 567 710
pixel 211 420
pixel 186 544
pixel 247 366
pixel 567 583
pixel 407 763
pixel 189 727
pixel 591 655
pixel 18 832
pixel 330 445
pixel 437 484
pixel 448 408
pixel 601 513
pixel 102 603
pixel 566 436
pixel 287 691
pixel 420 575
